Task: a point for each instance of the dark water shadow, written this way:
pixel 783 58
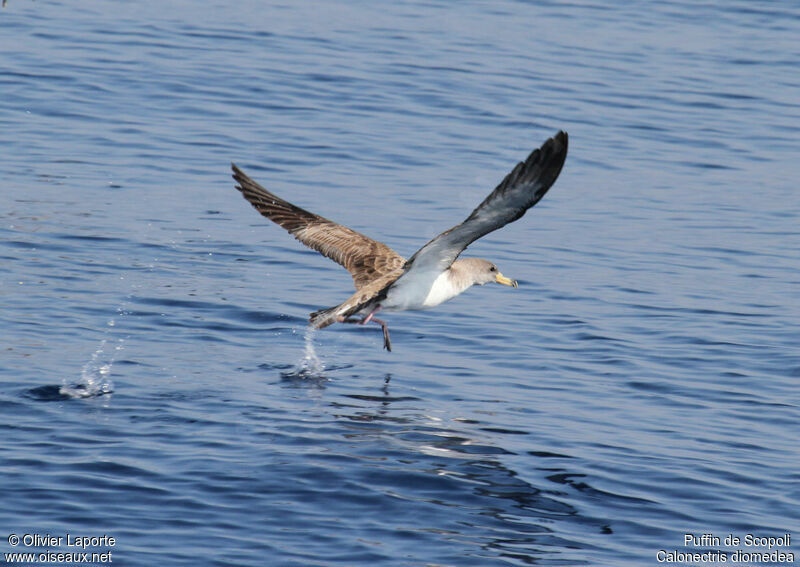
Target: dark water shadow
pixel 58 393
pixel 303 374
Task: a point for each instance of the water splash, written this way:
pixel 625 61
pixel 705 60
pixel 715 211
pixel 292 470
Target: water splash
pixel 310 366
pixel 311 362
pixel 95 376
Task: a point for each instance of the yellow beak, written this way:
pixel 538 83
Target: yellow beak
pixel 501 279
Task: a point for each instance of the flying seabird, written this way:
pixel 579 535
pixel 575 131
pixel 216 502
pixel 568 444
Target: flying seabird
pixel 385 280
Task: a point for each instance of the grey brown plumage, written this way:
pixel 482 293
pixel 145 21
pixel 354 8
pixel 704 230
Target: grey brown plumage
pixel 364 258
pixel 383 278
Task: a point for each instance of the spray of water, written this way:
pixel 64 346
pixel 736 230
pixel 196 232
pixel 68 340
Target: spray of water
pixel 311 365
pixel 95 376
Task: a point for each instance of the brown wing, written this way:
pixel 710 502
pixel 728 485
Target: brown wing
pixel 364 258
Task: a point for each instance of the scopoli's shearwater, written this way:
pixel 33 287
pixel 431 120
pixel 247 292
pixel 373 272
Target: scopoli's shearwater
pixel 385 280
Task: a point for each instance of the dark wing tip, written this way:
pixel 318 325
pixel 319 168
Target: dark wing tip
pixel 560 143
pixel 260 198
pixel 541 168
pixel 546 162
pixel 555 154
pixel 239 176
pixel 252 191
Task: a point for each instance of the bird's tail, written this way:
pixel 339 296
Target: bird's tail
pixel 324 317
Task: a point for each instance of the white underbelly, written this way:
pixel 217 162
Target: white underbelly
pixel 440 291
pixel 419 293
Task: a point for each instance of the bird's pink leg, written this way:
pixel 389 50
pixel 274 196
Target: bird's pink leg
pixel 387 343
pixel 368 318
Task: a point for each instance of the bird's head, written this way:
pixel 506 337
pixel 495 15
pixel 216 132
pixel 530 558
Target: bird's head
pixel 484 271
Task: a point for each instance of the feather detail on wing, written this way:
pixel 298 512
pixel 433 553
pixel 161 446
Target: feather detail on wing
pixel 519 191
pixel 364 258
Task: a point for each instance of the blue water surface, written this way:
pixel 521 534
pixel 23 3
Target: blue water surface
pixel 158 382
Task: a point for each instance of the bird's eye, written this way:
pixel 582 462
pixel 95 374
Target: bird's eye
pixel 492 269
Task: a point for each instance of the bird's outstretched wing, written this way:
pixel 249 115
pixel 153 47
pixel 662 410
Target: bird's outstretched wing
pixel 519 191
pixel 364 258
